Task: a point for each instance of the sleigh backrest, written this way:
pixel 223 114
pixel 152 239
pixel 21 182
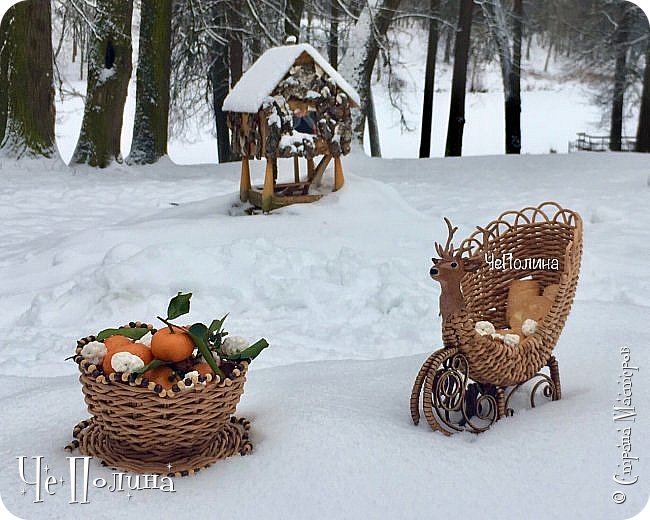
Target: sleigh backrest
pixel 543 243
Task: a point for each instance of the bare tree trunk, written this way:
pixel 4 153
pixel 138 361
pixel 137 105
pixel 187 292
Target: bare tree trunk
pixel 373 128
pixel 4 68
pixel 448 39
pixel 220 82
pixel 621 47
pixel 333 40
pixel 26 88
pixel 643 130
pixel 456 124
pixel 618 93
pixel 83 48
pixel 359 61
pixel 548 55
pixel 149 141
pixel 495 15
pixel 429 81
pixel 513 98
pixel 235 47
pixel 75 35
pixel 109 71
pixel 310 26
pixel 293 15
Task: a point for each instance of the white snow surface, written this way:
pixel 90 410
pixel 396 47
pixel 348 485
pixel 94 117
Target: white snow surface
pixel 340 289
pixel 270 68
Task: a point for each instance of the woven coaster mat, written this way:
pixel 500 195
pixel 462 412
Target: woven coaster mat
pixel 231 439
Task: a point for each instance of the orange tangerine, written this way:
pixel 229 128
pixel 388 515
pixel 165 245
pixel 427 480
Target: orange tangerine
pixel 138 349
pixel 115 341
pixel 169 346
pixel 163 376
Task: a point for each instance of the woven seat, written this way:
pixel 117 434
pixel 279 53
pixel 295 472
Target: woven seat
pixel 543 243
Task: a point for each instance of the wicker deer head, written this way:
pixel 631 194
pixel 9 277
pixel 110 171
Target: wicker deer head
pixel 449 270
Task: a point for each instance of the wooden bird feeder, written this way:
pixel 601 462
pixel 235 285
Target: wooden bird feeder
pixel 291 103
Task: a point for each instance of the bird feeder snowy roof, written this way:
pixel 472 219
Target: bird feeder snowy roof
pixel 259 81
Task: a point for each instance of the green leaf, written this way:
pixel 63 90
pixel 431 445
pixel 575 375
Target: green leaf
pixel 152 364
pixel 216 325
pixel 178 305
pixel 198 332
pixel 250 352
pixel 129 332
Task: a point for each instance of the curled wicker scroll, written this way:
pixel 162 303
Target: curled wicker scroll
pixel 452 402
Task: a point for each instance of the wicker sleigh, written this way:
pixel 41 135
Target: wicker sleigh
pixel 136 426
pixel 468 384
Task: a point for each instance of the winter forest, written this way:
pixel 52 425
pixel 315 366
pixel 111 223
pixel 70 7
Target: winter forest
pixel 191 53
pixel 297 166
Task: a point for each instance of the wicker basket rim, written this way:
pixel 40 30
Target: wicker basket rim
pixel 86 369
pixel 514 221
pixel 86 375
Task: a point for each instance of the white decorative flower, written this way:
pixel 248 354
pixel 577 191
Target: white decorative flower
pixel 234 345
pixel 193 375
pixel 496 335
pixel 94 352
pixel 528 327
pixel 146 341
pixel 126 362
pixel 484 328
pixel 512 340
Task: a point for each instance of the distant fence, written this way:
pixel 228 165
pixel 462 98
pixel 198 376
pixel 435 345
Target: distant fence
pixel 599 143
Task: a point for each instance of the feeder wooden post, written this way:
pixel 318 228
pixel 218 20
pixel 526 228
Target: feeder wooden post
pixel 267 192
pixel 310 169
pixel 338 174
pixel 245 181
pixel 296 169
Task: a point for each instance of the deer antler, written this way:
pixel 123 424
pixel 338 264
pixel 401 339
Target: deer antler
pixel 448 250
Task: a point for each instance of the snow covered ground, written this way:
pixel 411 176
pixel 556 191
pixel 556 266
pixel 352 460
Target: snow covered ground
pixel 340 288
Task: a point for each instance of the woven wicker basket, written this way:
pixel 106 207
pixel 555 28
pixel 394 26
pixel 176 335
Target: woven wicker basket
pixel 549 232
pixel 176 433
